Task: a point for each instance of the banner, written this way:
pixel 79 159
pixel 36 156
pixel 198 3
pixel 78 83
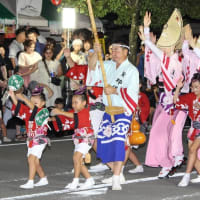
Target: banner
pixel 29 7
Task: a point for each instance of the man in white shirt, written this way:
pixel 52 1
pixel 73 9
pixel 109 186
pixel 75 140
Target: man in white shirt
pixel 17 45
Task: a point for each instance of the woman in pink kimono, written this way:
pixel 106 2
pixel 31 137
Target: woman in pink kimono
pixel 165 147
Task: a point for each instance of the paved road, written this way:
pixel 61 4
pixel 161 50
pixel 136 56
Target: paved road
pixel 57 163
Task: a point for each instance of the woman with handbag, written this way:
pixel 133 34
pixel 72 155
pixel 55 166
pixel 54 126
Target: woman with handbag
pixel 49 71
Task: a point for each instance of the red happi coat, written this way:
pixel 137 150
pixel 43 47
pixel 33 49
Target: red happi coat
pixel 36 134
pixel 187 102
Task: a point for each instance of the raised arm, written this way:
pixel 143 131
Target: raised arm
pixel 49 90
pixel 60 112
pixel 144 34
pixel 92 60
pixel 23 98
pixel 67 55
pixel 177 91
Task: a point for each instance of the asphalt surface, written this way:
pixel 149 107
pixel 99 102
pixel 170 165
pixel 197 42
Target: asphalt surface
pixel 57 163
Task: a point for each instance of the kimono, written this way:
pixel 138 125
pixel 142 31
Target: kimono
pixel 165 141
pixel 111 136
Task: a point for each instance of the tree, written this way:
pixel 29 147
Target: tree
pixel 131 12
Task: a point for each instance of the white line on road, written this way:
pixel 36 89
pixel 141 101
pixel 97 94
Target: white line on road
pixel 24 143
pixel 186 196
pixel 66 191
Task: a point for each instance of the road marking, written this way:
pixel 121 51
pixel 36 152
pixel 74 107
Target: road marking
pixel 24 143
pixel 186 196
pixel 95 187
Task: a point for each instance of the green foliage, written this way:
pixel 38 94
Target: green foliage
pixel 161 9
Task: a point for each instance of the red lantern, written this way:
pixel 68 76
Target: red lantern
pixel 56 2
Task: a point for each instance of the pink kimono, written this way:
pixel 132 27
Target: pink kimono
pixel 165 141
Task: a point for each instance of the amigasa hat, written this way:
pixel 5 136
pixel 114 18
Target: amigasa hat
pixel 172 30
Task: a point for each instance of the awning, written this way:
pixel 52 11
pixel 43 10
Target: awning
pixel 5 13
pixel 32 21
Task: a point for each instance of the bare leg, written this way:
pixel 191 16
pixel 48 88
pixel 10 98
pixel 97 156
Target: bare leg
pixel 127 155
pixel 192 155
pixel 95 145
pixel 3 128
pixel 77 158
pixel 133 158
pixel 117 168
pixel 32 166
pixel 39 168
pixel 85 172
pixel 197 166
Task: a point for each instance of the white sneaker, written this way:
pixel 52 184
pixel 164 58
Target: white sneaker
pixel 138 169
pixel 73 185
pixel 164 172
pixel 42 182
pixel 6 139
pixel 195 180
pixel 110 180
pixel 88 184
pixel 178 160
pixel 99 167
pixel 28 185
pixel 116 183
pixel 184 181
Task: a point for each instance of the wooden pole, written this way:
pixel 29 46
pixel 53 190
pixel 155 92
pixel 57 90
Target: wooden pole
pixel 94 30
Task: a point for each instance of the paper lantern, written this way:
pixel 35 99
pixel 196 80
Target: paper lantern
pixel 56 2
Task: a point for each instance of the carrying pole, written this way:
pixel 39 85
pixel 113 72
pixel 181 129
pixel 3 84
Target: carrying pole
pixel 94 30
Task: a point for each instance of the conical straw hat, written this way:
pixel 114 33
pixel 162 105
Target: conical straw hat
pixel 172 30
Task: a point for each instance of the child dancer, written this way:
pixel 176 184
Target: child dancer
pixel 37 139
pixel 83 139
pixel 191 102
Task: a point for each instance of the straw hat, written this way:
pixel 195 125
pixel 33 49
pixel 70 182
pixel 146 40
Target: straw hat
pixel 198 43
pixel 172 31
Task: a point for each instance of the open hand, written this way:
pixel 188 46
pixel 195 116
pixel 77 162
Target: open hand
pixel 147 19
pixel 141 33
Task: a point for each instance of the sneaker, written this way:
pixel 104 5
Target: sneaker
pixel 6 139
pixel 178 160
pixel 164 172
pixel 116 183
pixel 110 180
pixel 42 182
pixel 185 180
pixel 195 180
pixel 99 167
pixel 73 185
pixel 28 185
pixel 138 169
pixel 135 146
pixel 88 184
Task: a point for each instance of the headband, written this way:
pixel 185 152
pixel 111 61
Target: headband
pixel 122 45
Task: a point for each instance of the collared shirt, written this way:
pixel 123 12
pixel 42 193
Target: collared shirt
pixel 125 79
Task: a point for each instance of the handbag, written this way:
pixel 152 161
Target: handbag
pixel 56 81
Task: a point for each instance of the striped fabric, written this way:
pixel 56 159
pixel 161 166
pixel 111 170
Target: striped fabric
pixel 128 100
pixel 168 81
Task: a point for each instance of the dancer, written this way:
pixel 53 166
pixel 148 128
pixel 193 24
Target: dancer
pixel 83 139
pixel 123 89
pixel 191 102
pixel 37 139
pixel 164 63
